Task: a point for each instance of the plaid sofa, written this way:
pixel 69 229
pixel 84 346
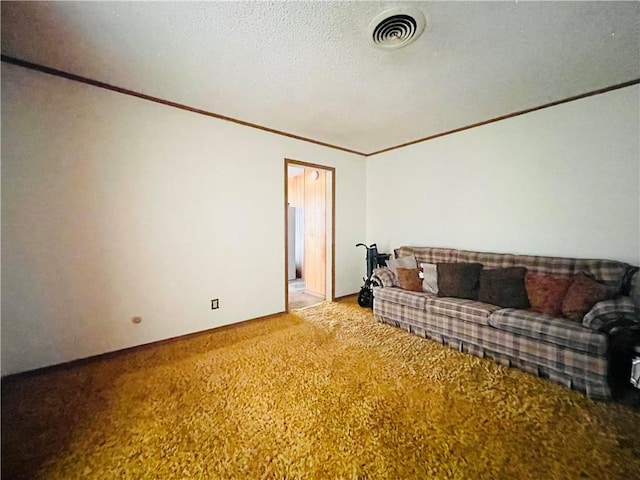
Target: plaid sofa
pixel 564 351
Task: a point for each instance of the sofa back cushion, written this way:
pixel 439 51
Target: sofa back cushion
pixel 408 261
pixel 608 272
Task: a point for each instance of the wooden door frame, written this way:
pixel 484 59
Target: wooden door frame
pixel 298 163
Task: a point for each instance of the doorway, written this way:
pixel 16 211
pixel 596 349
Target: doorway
pixel 309 233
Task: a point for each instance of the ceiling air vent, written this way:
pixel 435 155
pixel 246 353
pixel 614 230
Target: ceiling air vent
pixel 396 28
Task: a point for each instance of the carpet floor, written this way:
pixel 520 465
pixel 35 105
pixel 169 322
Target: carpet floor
pixel 325 392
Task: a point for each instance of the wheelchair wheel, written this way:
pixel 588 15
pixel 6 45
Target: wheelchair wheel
pixel 365 297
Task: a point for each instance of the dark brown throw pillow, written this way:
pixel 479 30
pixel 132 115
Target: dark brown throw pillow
pixel 409 279
pixel 546 292
pixel 460 280
pixel 583 293
pixel 504 287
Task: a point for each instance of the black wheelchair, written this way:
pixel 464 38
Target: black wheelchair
pixel 374 260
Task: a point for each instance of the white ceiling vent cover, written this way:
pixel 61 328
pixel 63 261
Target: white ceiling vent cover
pixel 396 27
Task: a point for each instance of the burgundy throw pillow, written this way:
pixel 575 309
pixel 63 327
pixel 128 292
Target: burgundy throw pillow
pixel 546 292
pixel 409 279
pixel 460 280
pixel 583 293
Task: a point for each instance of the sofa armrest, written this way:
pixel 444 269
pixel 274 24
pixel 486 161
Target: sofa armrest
pixel 629 280
pixel 609 313
pixel 384 277
pixel 632 285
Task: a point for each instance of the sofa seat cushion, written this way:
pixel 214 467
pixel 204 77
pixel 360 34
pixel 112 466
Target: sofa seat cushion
pixel 558 331
pixel 460 308
pixel 405 297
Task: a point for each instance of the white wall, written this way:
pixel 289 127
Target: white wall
pixel 563 181
pixel 114 207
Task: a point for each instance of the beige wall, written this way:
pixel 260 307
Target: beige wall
pixel 114 207
pixel 560 181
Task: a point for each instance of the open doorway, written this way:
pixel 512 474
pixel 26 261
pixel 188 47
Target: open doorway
pixel 309 233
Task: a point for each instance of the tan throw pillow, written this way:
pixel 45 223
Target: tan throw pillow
pixel 546 292
pixel 409 279
pixel 583 293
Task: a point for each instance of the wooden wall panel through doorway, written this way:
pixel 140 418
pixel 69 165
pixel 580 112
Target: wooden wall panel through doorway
pixel 315 246
pixel 296 191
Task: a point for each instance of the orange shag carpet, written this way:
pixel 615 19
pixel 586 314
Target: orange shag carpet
pixel 326 392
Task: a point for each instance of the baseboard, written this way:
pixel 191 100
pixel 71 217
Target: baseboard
pixel 104 356
pixel 345 297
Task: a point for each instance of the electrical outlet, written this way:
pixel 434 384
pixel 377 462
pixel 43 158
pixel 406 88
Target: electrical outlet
pixel 214 304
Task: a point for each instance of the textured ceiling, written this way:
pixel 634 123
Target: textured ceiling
pixel 308 68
